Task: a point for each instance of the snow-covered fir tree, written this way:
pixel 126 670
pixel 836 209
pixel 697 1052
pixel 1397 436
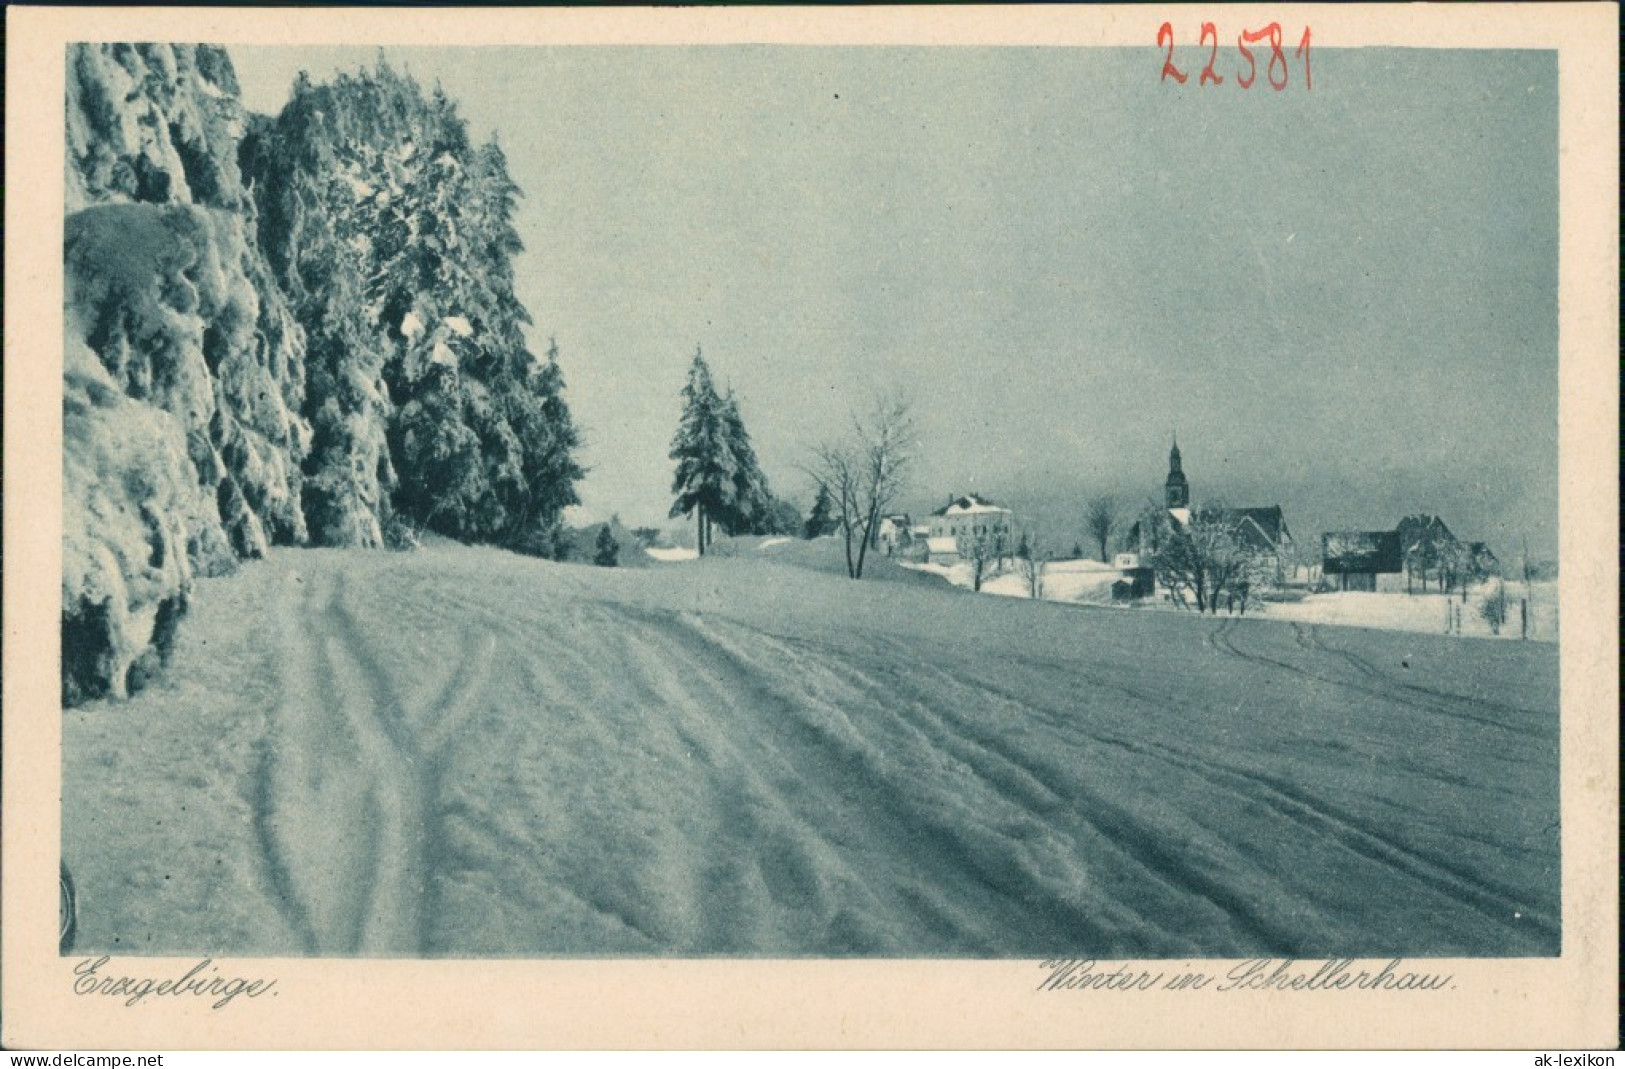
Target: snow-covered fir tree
pixel 606 551
pixel 751 510
pixel 821 520
pixel 393 232
pixel 718 479
pixel 705 479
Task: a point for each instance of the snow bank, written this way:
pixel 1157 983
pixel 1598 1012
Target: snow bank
pixel 1080 581
pixel 672 553
pixel 132 520
pixel 1088 582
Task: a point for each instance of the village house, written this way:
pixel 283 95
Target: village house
pixel 1485 562
pixel 965 518
pixel 1260 530
pixel 1263 533
pixel 895 534
pixel 1421 550
pixel 1368 561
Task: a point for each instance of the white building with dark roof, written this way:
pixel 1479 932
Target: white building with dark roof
pixel 966 517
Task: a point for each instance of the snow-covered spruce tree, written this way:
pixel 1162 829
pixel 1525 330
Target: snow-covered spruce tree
pixel 705 481
pixel 821 520
pixel 606 551
pixel 548 440
pixel 348 474
pixel 780 517
pixel 387 224
pixel 751 511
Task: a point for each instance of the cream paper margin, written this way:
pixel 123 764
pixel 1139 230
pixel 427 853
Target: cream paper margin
pixel 1566 1002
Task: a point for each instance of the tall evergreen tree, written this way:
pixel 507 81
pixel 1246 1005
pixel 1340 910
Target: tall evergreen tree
pixel 751 499
pixel 821 520
pixel 706 466
pixel 393 233
pixel 606 551
pixel 548 441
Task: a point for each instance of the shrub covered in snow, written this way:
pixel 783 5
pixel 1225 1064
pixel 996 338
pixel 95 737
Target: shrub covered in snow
pixel 133 520
pixel 1493 608
pixel 167 300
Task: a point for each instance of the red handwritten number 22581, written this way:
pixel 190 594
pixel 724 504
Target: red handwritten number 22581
pixel 1275 70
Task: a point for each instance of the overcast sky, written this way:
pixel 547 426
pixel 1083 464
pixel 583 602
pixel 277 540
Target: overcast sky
pixel 1344 301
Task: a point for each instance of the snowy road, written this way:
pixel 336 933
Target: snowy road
pixel 462 752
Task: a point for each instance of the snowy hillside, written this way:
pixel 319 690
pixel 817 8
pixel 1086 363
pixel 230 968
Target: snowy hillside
pixel 467 752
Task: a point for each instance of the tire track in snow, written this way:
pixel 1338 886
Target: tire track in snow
pixel 744 782
pixel 1118 824
pixel 299 799
pixel 286 891
pixel 410 742
pixel 1139 844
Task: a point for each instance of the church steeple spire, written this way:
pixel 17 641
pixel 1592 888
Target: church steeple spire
pixel 1178 489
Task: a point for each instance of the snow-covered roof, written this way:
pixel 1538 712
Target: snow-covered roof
pixel 1270 524
pixel 1360 551
pixel 1415 529
pixel 968 504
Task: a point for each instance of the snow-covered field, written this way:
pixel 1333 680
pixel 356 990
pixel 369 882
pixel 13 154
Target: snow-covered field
pixel 465 752
pixel 1085 582
pixel 1088 582
pixel 1426 613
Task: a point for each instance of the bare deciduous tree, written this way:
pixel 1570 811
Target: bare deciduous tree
pixel 1032 562
pixel 1100 519
pixel 1494 607
pixel 865 473
pixel 1204 557
pixel 982 551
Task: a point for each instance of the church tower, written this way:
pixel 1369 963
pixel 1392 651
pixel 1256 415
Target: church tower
pixel 1178 490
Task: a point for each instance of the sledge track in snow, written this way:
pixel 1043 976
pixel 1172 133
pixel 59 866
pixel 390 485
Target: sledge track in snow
pixel 1370 680
pixel 344 817
pixel 474 754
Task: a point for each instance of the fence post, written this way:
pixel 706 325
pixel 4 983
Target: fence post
pixel 1523 617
